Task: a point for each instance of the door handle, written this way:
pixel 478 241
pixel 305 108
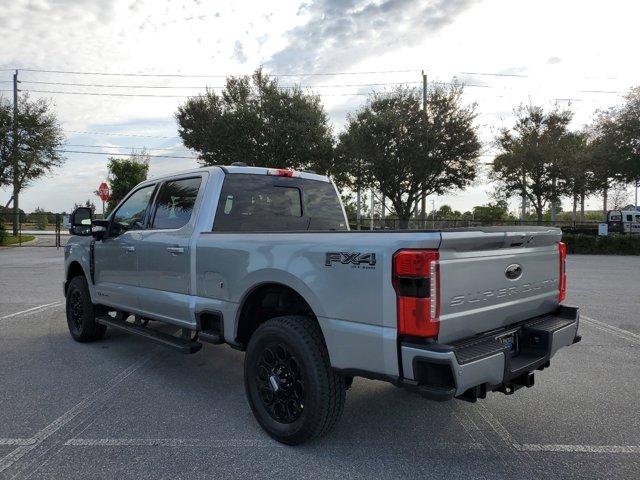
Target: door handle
pixel 129 249
pixel 175 250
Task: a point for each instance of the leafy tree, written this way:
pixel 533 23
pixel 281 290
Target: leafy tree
pixel 254 120
pixel 492 213
pixel 620 197
pixel 619 129
pixel 350 207
pixel 578 171
pixel 126 173
pixel 605 160
pixel 401 150
pixel 40 218
pixel 616 145
pixel 445 212
pixel 88 204
pixel 31 154
pixel 534 154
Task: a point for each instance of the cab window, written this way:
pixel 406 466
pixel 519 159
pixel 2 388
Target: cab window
pixel 130 215
pixel 270 203
pixel 174 204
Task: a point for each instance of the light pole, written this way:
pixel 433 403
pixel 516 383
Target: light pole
pixel 433 214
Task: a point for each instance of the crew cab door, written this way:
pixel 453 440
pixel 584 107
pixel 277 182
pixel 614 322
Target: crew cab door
pixel 164 261
pixel 116 257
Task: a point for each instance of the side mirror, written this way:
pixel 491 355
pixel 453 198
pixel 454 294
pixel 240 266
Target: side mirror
pixel 80 222
pixel 100 229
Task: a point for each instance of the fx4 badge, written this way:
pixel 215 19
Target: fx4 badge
pixel 350 258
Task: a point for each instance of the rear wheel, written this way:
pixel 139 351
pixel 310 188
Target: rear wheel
pixel 293 392
pixel 81 312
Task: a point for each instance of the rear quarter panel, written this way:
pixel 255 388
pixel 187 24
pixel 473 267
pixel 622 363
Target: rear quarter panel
pixel 355 304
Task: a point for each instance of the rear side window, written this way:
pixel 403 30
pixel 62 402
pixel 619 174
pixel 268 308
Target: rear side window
pixel 322 206
pixel 272 203
pixel 175 202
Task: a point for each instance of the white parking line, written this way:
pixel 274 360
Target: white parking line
pixel 17 442
pixel 611 329
pixel 535 447
pixel 84 407
pixel 214 443
pixel 167 442
pixel 29 310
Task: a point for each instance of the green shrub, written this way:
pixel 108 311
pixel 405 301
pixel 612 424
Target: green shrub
pixel 40 219
pixel 613 244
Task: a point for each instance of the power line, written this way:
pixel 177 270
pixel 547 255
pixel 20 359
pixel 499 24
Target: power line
pixel 302 74
pixel 495 74
pixel 117 134
pixel 214 86
pixel 101 94
pixel 602 91
pixel 150 95
pixel 123 154
pixel 178 156
pixel 119 147
pixel 183 75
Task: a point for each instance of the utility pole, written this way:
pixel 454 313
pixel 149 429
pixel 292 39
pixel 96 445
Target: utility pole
pixel 523 212
pixel 372 207
pixel 15 157
pixel 433 210
pixel 423 200
pixel 424 91
pixel 358 217
pixel 553 202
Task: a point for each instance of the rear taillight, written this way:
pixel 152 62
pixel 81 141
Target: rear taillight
pixel 562 281
pixel 416 280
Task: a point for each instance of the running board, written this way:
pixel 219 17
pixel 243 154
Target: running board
pixel 182 345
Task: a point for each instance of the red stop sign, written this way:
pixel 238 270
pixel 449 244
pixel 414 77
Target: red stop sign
pixel 103 192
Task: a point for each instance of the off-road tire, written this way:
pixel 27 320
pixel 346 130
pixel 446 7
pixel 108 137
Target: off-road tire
pixel 323 390
pixel 81 318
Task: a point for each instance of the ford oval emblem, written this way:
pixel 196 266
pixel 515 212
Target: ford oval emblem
pixel 513 271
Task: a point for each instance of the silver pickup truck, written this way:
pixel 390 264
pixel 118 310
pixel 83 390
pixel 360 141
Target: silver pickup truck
pixel 263 260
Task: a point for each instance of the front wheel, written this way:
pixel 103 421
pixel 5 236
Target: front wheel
pixel 81 317
pixel 293 392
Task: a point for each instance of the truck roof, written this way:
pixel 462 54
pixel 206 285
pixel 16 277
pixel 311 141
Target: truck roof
pixel 246 170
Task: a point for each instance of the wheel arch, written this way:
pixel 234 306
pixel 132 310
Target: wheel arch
pixel 74 270
pixel 266 300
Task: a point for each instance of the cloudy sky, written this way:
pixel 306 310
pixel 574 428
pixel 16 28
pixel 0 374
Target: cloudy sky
pixel 141 58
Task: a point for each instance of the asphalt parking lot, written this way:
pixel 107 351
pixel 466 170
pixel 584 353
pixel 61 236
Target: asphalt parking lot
pixel 124 408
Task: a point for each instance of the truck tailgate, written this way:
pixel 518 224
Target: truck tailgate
pixel 494 277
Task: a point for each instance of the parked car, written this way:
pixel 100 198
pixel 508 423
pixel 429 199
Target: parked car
pixel 263 260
